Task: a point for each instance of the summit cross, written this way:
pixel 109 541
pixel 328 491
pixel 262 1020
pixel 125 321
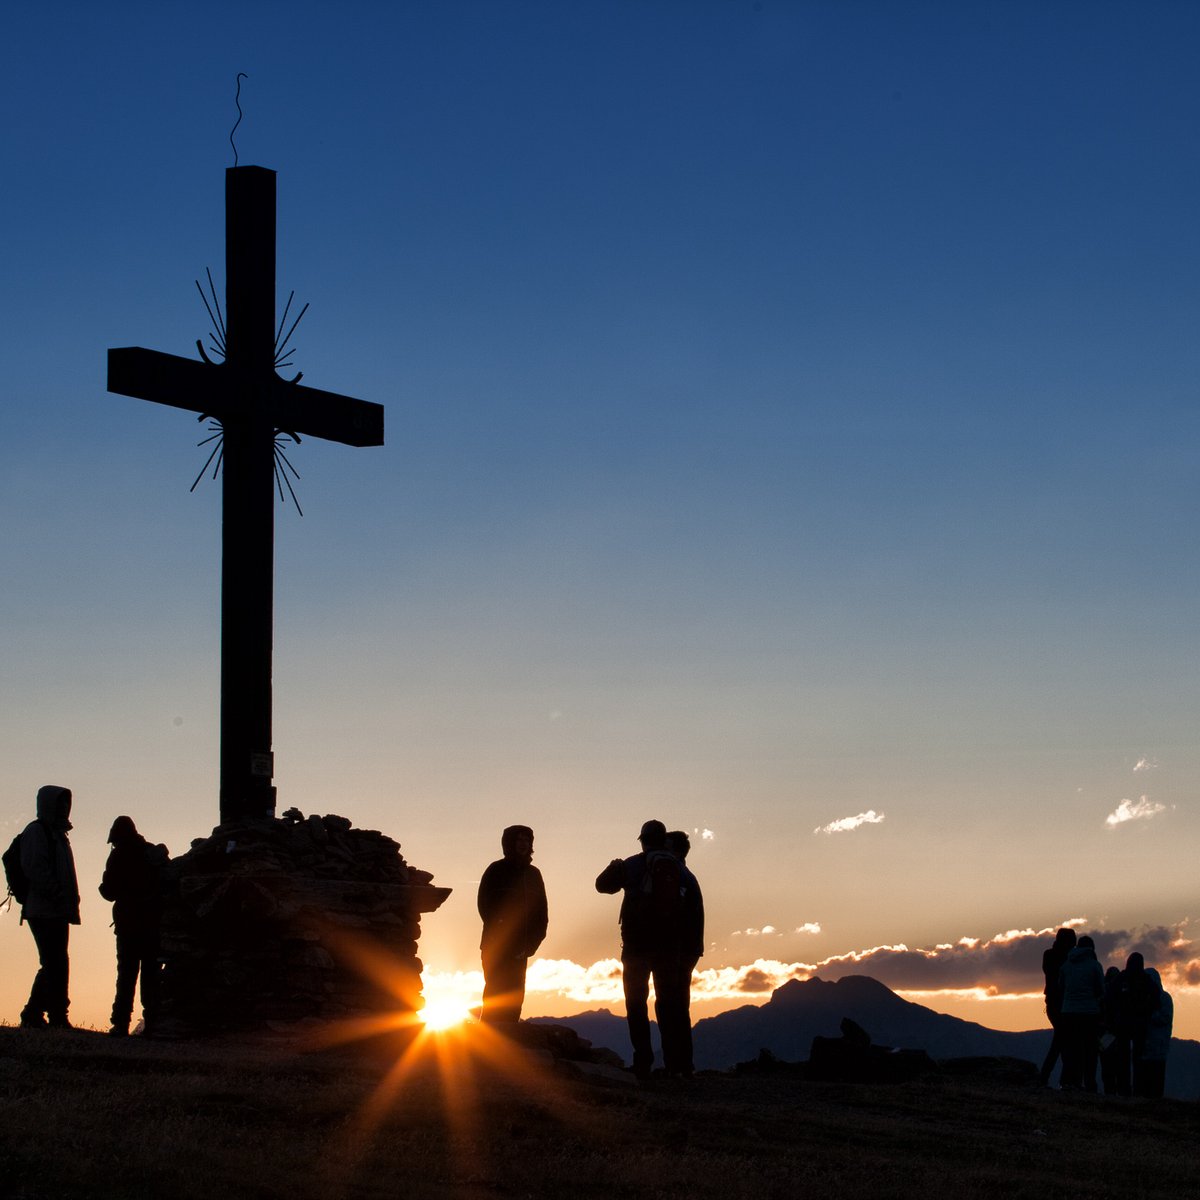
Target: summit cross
pixel 253 406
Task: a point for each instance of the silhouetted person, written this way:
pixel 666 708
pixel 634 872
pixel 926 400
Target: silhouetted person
pixel 512 903
pixel 1114 1041
pixel 51 907
pixel 1053 958
pixel 133 882
pixel 680 845
pixel 652 947
pixel 1150 1067
pixel 1082 998
pixel 1141 1002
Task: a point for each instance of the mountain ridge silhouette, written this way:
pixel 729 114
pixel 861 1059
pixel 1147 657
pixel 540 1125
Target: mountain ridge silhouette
pixel 802 1009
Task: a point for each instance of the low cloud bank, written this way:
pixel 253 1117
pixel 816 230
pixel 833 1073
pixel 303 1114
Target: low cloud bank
pixel 1005 965
pixel 1011 962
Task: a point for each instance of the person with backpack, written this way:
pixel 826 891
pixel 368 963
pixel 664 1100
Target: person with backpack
pixel 132 880
pixel 680 845
pixel 652 948
pixel 50 905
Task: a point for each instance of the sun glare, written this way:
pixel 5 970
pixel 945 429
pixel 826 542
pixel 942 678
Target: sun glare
pixel 444 1012
pixel 443 1044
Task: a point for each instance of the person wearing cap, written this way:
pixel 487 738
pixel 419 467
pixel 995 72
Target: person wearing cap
pixel 512 905
pixel 652 923
pixel 132 880
pixel 51 906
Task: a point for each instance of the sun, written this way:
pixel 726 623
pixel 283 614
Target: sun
pixel 444 1012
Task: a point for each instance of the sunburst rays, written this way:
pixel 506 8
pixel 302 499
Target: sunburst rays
pixel 285 470
pixel 461 1069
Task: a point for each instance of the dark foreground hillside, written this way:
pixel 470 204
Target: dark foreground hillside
pixel 84 1116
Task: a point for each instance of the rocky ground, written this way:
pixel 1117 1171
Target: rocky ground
pixel 469 1115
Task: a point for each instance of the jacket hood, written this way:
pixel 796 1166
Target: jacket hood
pixel 1082 954
pixel 508 840
pixel 124 830
pixel 54 806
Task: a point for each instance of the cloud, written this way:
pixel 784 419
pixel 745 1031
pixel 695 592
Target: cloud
pixel 1141 809
pixel 1145 764
pixel 1004 966
pixel 772 931
pixel 1011 962
pixel 757 981
pixel 763 975
pixel 571 979
pixel 706 835
pixel 845 824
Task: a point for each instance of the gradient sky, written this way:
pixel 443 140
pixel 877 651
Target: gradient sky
pixel 791 435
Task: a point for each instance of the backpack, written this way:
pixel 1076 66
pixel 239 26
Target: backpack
pixel 134 876
pixel 660 902
pixel 14 873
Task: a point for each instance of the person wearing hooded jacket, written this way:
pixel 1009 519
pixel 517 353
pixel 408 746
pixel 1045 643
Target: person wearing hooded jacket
pixel 1150 1069
pixel 132 880
pixel 512 905
pixel 1082 987
pixel 1053 958
pixel 51 907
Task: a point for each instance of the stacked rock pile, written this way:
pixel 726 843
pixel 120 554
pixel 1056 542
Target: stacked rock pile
pixel 277 923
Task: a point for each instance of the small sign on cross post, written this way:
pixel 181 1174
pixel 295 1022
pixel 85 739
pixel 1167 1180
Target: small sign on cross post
pixel 253 405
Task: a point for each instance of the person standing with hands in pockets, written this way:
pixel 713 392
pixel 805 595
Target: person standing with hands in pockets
pixel 512 905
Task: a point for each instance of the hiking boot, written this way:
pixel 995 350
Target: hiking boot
pixel 32 1020
pixel 59 1021
pixel 119 1030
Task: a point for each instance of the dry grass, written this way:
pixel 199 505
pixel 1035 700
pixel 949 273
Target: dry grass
pixel 84 1116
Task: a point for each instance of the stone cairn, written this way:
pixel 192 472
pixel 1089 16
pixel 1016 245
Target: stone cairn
pixel 278 924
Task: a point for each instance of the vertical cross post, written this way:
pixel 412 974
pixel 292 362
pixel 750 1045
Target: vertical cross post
pixel 252 404
pixel 248 497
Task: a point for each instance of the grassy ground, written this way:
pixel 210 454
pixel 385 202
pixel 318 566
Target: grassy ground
pixel 85 1116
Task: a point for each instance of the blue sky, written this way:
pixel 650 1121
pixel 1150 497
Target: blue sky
pixel 791 415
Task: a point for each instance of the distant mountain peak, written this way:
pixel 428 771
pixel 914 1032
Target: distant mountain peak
pixel 849 988
pixel 802 1009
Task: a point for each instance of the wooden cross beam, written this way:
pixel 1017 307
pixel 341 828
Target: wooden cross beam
pixel 253 405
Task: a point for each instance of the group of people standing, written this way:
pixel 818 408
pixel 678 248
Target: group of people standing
pixel 49 901
pixel 662 937
pixel 1117 1020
